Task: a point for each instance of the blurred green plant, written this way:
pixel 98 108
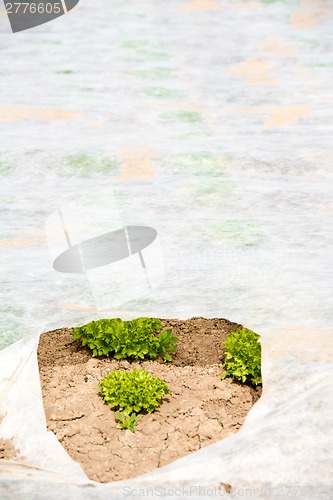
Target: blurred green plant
pixel 158 73
pixel 65 72
pixel 162 92
pixel 85 164
pixel 279 1
pixel 181 115
pixel 201 163
pixel 7 164
pixel 241 232
pixel 144 50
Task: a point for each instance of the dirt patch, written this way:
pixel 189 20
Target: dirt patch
pixel 7 449
pixel 201 410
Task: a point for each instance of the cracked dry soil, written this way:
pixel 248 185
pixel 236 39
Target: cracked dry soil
pixel 202 409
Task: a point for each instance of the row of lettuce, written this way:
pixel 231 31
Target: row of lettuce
pixel 135 393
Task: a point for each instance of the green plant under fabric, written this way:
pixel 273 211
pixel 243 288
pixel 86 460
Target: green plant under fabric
pixel 135 339
pixel 243 356
pixel 132 392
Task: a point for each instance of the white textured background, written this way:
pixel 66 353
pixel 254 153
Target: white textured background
pixel 212 122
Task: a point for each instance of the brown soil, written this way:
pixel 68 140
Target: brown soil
pixel 7 449
pixel 202 409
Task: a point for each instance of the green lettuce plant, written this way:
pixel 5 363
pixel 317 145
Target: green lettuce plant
pixel 243 356
pixel 132 392
pixel 136 339
pixel 127 420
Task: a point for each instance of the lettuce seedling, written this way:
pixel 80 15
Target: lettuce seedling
pixel 135 339
pixel 132 392
pixel 243 356
pixel 127 420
